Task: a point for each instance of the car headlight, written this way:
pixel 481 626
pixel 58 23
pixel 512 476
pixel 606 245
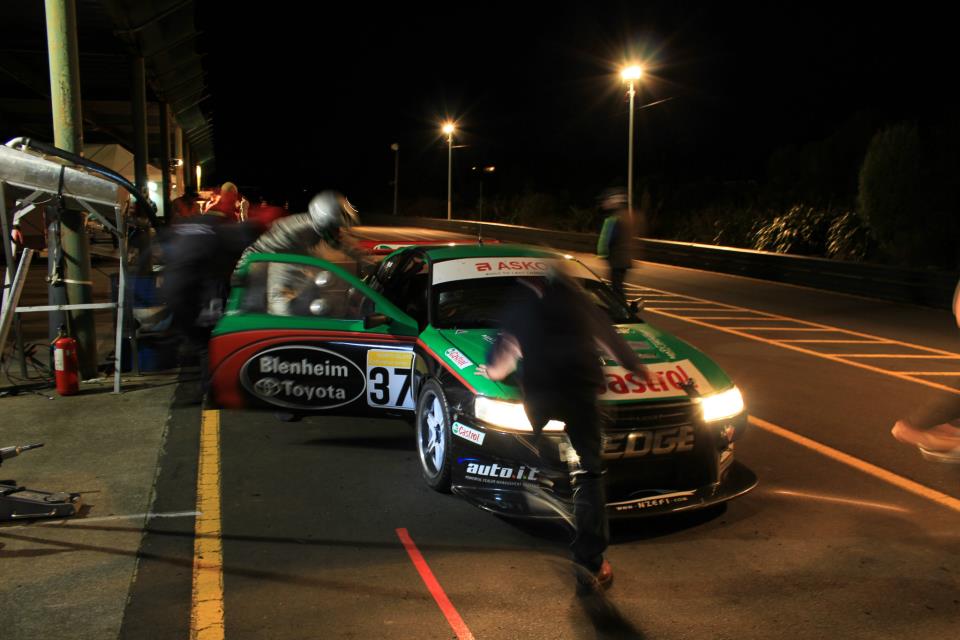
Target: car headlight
pixel 508 415
pixel 719 406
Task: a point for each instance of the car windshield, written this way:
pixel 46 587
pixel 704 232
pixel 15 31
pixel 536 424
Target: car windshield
pixel 480 302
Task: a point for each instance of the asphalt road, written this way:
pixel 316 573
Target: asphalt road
pixel 826 546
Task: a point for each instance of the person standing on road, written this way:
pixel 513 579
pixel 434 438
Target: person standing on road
pixel 556 331
pixel 616 237
pixel 940 442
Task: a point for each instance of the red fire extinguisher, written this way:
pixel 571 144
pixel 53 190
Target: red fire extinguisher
pixel 65 364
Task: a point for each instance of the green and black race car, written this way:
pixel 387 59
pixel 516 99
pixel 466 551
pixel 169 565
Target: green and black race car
pixel 304 336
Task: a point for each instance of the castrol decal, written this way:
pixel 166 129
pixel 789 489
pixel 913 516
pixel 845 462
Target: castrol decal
pixel 667 381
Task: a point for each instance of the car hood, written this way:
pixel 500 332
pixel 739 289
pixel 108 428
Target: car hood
pixel 670 360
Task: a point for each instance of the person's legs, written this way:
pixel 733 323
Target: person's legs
pixel 617 276
pixel 589 495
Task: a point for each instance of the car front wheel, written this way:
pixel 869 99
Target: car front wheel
pixel 433 436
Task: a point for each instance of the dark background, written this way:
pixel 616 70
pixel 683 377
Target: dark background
pixel 307 98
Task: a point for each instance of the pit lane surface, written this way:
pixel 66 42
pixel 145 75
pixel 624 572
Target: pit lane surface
pixel 310 513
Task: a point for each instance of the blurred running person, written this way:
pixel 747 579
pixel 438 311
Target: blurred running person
pixel 557 332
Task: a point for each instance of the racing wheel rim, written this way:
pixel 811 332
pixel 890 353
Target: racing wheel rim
pixel 432 438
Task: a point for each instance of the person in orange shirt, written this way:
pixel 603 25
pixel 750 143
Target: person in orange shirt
pixel 225 203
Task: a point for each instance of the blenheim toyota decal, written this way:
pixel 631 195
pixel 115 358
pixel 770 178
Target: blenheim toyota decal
pixel 302 377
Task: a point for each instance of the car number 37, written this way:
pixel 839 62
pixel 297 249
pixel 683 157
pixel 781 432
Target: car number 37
pixel 389 379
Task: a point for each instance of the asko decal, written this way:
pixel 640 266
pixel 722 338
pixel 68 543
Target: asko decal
pixel 471 268
pixel 494 473
pixel 667 380
pixel 302 377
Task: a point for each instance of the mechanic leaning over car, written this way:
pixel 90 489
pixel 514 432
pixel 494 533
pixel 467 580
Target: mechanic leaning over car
pixel 329 212
pixel 555 330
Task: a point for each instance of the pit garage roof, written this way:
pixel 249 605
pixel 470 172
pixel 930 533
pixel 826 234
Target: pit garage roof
pixel 110 33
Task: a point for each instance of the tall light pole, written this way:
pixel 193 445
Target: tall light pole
pixel 481 171
pixel 448 129
pixel 396 174
pixel 631 75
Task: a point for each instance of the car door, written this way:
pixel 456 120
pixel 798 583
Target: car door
pixel 303 335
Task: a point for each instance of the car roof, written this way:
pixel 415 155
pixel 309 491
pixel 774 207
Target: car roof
pixel 446 252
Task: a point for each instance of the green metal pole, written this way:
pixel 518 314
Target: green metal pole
pixel 138 101
pixel 68 134
pixel 165 159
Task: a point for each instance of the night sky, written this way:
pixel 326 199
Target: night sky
pixel 313 98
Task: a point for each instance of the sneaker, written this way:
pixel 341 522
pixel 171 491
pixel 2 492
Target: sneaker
pixel 590 582
pixel 604 576
pixel 942 438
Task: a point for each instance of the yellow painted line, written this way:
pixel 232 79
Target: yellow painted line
pixel 825 327
pixel 779 329
pixel 690 309
pixel 930 373
pixel 893 355
pixel 780 343
pixel 206 612
pixel 870 469
pixel 739 318
pixel 840 341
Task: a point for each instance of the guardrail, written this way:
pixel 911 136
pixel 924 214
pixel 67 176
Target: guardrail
pixel 914 286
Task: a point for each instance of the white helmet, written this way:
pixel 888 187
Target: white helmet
pixel 331 211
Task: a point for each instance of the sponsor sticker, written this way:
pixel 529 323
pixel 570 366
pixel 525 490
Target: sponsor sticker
pixel 302 377
pixel 389 379
pixel 658 442
pixel 667 382
pixel 458 358
pixel 653 501
pixel 472 268
pixel 467 433
pixel 494 473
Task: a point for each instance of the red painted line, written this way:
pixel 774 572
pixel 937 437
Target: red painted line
pixel 446 607
pixel 446 366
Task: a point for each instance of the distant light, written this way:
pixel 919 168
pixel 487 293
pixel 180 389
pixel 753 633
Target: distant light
pixel 568 256
pixel 448 128
pixel 490 169
pixel 152 186
pixel 395 146
pixel 633 72
pixel 199 172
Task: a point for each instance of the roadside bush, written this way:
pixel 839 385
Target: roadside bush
pixel 801 230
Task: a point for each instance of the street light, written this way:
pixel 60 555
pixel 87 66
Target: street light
pixel 631 75
pixel 448 129
pixel 396 173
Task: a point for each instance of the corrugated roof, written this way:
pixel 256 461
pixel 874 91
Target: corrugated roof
pixel 110 33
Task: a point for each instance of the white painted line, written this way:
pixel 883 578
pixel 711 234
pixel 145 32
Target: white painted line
pixel 131 516
pixel 837 500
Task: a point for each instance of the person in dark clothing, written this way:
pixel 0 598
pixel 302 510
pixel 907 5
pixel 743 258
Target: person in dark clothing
pixel 198 254
pixel 556 331
pixel 616 237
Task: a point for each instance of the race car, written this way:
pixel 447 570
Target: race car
pixel 305 336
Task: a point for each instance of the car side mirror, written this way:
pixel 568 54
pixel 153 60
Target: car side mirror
pixel 636 305
pixel 375 320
